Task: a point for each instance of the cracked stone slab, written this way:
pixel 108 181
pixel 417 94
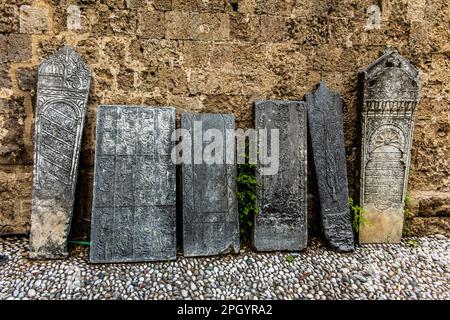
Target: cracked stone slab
pixel 62 93
pixel 281 224
pixel 390 91
pixel 210 211
pixel 134 201
pixel 326 130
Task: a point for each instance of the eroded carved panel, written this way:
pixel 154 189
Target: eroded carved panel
pixel 327 141
pixel 134 205
pixel 391 90
pixel 281 224
pixel 62 93
pixel 210 214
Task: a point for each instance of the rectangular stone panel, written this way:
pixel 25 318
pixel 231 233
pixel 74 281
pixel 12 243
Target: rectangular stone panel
pixel 390 93
pixel 62 93
pixel 281 224
pixel 330 166
pixel 134 202
pixel 210 212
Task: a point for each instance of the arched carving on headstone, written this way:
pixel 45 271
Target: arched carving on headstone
pixel 390 94
pixel 62 93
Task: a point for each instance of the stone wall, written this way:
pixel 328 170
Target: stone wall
pixel 221 55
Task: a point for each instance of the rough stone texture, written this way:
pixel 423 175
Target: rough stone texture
pixel 210 212
pixel 134 212
pixel 62 93
pixel 327 141
pixel 321 39
pixel 12 117
pixel 281 223
pixel 390 93
pixel 33 20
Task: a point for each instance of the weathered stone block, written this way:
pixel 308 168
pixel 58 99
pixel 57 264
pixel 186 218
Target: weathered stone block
pixel 62 93
pixel 15 199
pixel 134 205
pixel 281 224
pixel 210 27
pixel 26 78
pixel 9 18
pixel 328 148
pixel 177 25
pixel 5 78
pixel 390 93
pixel 19 47
pixel 12 122
pixel 210 213
pixel 151 25
pixel 33 20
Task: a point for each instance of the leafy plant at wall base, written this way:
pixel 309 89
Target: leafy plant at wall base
pixel 290 258
pixel 247 199
pixel 358 214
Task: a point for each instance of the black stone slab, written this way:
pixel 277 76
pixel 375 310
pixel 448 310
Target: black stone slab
pixel 62 93
pixel 281 224
pixel 328 153
pixel 134 208
pixel 210 213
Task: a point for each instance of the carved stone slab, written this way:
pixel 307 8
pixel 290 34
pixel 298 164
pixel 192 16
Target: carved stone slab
pixel 390 93
pixel 134 205
pixel 62 93
pixel 210 212
pixel 281 224
pixel 327 140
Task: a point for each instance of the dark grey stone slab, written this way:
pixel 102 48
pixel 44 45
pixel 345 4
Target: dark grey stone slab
pixel 210 213
pixel 281 224
pixel 62 93
pixel 390 94
pixel 134 205
pixel 328 153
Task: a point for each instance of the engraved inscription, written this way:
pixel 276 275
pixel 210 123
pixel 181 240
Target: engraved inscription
pixel 327 141
pixel 281 223
pixel 210 216
pixel 134 185
pixel 63 88
pixel 391 90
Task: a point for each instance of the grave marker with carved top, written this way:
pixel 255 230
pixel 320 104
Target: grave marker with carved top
pixel 390 94
pixel 62 93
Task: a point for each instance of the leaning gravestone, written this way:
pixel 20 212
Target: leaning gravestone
pixel 281 224
pixel 390 93
pixel 210 212
pixel 134 205
pixel 62 93
pixel 327 141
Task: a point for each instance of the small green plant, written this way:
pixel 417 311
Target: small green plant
pixel 413 243
pixel 405 230
pixel 358 215
pixel 408 199
pixel 290 258
pixel 246 196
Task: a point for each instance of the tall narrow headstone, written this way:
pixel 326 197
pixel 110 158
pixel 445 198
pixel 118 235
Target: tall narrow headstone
pixel 62 93
pixel 327 140
pixel 210 212
pixel 134 201
pixel 390 93
pixel 281 223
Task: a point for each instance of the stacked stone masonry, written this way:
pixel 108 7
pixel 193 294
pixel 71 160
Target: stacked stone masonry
pixel 220 56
